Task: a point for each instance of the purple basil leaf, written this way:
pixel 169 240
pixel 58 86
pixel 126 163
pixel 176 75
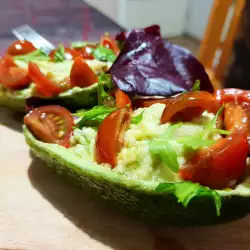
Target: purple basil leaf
pixel 154 30
pixel 148 65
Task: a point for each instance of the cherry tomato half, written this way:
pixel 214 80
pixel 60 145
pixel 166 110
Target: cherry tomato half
pixel 20 48
pixel 51 124
pixel 11 76
pixel 81 74
pixel 44 85
pixel 109 43
pixel 69 54
pixel 121 99
pixel 110 136
pixel 190 104
pixel 220 165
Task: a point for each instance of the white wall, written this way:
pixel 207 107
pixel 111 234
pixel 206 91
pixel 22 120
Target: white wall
pixel 170 14
pixel 197 17
pixel 108 7
pixel 174 16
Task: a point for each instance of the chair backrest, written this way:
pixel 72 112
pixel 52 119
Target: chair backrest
pixel 216 46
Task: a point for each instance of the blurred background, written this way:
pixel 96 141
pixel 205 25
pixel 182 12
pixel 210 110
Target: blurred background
pixel 182 20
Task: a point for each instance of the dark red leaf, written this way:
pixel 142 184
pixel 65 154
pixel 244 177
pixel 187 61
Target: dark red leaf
pixel 148 65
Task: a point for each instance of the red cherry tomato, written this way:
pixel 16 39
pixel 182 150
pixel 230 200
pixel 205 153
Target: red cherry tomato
pixel 11 76
pixel 109 43
pixel 237 108
pixel 20 48
pixel 44 85
pixel 86 52
pixel 121 99
pixel 235 117
pixel 69 54
pixel 145 103
pixel 110 136
pixel 232 95
pixel 189 105
pixel 81 74
pixel 220 165
pixel 51 124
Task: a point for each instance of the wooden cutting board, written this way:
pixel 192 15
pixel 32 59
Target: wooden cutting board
pixel 39 211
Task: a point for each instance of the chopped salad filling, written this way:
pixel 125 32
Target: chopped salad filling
pixel 137 160
pixel 27 71
pixel 139 145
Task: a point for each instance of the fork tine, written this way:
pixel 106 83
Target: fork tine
pixel 25 32
pixel 18 35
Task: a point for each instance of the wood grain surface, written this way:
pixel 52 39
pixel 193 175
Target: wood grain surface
pixel 40 211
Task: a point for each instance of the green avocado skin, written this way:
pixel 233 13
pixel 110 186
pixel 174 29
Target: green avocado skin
pixel 16 103
pixel 85 98
pixel 146 205
pixel 78 100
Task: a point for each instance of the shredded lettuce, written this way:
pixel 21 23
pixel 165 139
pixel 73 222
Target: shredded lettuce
pixel 193 142
pixel 93 117
pixel 137 119
pixel 186 191
pixel 165 151
pixel 96 115
pixel 34 55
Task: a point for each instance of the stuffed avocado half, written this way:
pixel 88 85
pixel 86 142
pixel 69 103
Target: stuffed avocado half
pixel 140 165
pixel 161 144
pixel 67 76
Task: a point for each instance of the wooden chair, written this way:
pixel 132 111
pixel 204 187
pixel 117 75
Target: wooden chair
pixel 214 44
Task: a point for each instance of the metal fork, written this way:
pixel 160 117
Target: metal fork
pixel 25 32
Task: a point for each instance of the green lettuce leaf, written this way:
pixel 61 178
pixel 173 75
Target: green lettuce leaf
pixel 104 82
pixel 78 44
pixel 164 150
pixel 137 119
pixel 59 54
pixel 212 124
pixel 93 117
pixel 186 191
pixel 196 86
pixel 195 142
pixel 104 54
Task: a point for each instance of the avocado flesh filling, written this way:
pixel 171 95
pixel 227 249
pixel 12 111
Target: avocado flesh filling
pixel 76 97
pixel 138 173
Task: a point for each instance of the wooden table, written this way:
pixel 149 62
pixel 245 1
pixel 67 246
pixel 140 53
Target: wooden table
pixel 39 211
